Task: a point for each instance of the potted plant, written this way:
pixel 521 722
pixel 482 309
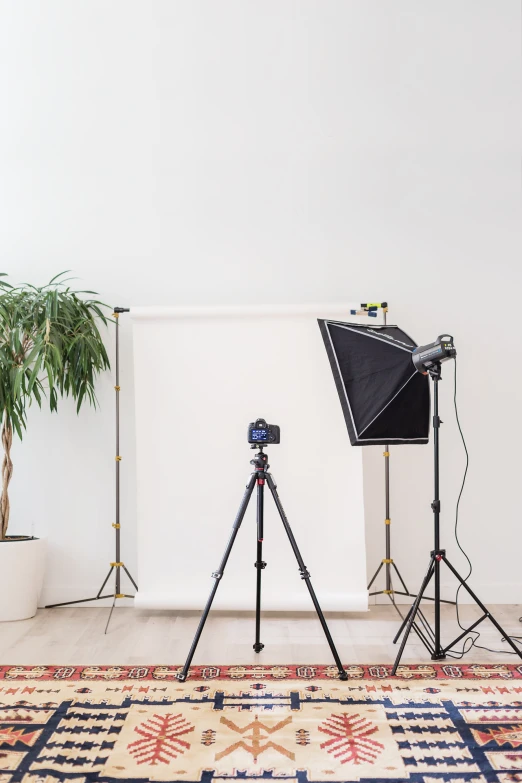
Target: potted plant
pixel 50 347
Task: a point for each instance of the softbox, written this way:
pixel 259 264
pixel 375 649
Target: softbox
pixel 383 397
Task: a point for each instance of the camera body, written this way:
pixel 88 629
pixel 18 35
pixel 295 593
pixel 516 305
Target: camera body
pixel 263 434
pixel 426 356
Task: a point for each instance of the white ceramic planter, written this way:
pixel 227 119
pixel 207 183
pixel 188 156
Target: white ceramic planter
pixel 21 576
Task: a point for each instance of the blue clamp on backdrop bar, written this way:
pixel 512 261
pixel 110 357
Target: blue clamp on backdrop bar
pixel 369 309
pixel 371 313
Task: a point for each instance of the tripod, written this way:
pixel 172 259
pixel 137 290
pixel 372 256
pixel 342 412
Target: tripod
pixel 117 564
pixel 438 556
pixel 259 477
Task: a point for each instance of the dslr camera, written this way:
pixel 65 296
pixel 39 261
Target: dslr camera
pixel 259 432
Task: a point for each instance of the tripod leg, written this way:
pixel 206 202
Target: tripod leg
pixel 403 583
pixel 416 628
pixel 259 564
pixel 374 577
pixel 130 577
pixel 100 591
pixel 410 618
pixel 97 597
pixel 216 575
pixel 306 576
pixel 403 625
pixel 391 596
pixel 110 614
pixel 481 605
pixel 438 653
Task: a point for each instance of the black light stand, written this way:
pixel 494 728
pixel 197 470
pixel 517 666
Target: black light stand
pixel 438 556
pixel 387 561
pixel 117 564
pixel 259 477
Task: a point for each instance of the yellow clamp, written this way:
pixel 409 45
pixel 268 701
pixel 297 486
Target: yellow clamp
pixel 117 388
pixel 118 459
pixel 387 560
pixel 116 565
pixel 120 595
pixel 387 521
pixel 115 315
pixel 385 453
pixel 387 592
pixel 116 525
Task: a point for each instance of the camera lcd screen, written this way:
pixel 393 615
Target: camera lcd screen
pixel 259 435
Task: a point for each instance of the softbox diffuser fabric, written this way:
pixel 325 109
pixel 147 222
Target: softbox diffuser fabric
pixel 383 397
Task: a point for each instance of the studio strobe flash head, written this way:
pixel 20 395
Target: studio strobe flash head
pixel 426 356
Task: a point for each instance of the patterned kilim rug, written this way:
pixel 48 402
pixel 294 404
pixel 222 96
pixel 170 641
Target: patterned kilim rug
pixel 458 723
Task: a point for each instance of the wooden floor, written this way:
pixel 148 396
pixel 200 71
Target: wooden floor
pixel 76 636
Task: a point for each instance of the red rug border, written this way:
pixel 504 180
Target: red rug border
pixel 274 672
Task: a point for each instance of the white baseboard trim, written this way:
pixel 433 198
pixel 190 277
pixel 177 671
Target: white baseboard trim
pixel 230 601
pixel 492 593
pixel 488 593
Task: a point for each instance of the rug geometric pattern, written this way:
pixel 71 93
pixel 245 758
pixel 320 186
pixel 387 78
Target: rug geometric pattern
pixel 431 724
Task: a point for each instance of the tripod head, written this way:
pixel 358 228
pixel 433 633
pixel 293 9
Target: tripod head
pixel 260 461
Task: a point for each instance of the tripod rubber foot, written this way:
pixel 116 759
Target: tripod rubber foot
pixel 181 677
pixel 258 646
pixel 438 656
pixel 343 675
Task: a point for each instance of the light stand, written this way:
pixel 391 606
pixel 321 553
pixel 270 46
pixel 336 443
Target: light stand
pixel 438 556
pixel 117 565
pixel 259 476
pixel 387 561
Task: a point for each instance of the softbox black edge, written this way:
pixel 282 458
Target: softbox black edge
pixel 354 438
pixel 338 381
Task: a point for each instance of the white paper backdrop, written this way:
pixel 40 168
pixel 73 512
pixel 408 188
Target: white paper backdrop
pixel 201 375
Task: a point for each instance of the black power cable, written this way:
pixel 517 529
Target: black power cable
pixel 472 639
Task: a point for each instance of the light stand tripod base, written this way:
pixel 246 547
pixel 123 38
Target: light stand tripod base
pixel 439 653
pixel 99 597
pixel 437 559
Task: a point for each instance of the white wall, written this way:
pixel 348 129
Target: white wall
pixel 276 152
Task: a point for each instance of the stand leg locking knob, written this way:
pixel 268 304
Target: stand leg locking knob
pixel 258 646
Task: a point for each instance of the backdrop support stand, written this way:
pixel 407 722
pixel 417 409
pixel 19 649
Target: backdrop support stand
pixel 387 561
pixel 259 476
pixel 117 565
pixel 437 557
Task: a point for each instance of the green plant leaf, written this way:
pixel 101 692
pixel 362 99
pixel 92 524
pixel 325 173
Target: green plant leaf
pixel 50 347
